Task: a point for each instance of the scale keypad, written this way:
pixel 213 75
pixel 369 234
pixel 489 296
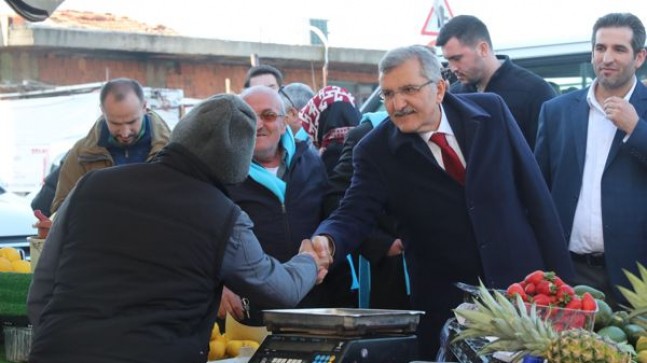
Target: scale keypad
pixel 319 358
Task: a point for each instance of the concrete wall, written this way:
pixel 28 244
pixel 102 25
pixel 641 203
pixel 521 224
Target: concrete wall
pixel 200 67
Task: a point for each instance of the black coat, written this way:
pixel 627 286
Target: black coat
pixel 138 275
pixel 388 287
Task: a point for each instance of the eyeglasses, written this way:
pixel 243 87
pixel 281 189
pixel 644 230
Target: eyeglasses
pixel 269 116
pixel 282 92
pixel 408 90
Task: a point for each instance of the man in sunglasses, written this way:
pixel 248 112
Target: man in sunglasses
pixel 456 173
pixel 282 195
pixel 126 133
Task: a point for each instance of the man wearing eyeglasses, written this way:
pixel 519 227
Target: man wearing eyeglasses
pixel 282 195
pixel 127 132
pixel 466 45
pixel 456 173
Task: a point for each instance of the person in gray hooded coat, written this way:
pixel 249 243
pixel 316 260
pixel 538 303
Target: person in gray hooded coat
pixel 134 265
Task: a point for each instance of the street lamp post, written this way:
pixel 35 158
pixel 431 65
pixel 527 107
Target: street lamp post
pixel 324 40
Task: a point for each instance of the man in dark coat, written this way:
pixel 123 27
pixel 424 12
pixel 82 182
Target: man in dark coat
pixel 134 265
pixel 474 206
pixel 466 44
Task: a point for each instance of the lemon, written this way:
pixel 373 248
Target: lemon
pixel 233 346
pixel 641 344
pixel 21 266
pixel 10 253
pixel 216 349
pixel 642 356
pixel 5 265
pixel 215 332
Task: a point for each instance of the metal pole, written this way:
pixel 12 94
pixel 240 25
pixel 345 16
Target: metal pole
pixel 324 40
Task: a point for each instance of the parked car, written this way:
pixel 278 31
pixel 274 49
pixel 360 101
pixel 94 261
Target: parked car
pixel 16 221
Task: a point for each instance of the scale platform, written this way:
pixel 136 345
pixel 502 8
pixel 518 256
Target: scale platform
pixel 339 335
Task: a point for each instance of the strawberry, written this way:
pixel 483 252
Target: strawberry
pixel 530 288
pixel 575 303
pixel 588 302
pixel 541 299
pixel 565 294
pixel 558 281
pixel 516 289
pixel 546 287
pixel 534 277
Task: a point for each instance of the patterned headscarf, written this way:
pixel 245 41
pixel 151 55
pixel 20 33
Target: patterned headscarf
pixel 341 116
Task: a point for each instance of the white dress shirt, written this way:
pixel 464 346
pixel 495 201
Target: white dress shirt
pixel 587 233
pixel 444 128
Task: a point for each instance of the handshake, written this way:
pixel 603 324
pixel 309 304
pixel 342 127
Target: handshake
pixel 319 247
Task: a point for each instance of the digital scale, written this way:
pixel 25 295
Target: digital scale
pixel 339 335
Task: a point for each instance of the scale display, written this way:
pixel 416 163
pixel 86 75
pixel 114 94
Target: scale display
pixel 283 348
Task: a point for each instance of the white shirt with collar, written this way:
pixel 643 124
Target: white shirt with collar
pixel 445 128
pixel 587 232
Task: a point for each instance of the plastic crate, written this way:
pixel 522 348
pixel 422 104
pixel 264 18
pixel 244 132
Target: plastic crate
pixel 564 319
pixel 17 343
pixel 14 288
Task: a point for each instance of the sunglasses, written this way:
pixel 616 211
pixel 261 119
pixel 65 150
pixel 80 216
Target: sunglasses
pixel 269 116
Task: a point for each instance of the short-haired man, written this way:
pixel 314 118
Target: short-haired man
pixel 466 44
pixel 592 150
pixel 264 75
pixel 295 96
pixel 462 183
pixel 126 132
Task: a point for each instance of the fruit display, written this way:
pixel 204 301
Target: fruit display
pixel 556 300
pixel 15 277
pixel 521 330
pixel 11 261
pixel 220 347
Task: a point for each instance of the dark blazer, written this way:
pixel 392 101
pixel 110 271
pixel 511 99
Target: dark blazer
pixel 499 227
pixel 388 288
pixel 560 152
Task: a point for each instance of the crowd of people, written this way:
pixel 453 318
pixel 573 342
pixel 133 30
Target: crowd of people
pixel 282 196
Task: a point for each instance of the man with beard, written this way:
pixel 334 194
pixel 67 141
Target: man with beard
pixel 592 150
pixel 125 133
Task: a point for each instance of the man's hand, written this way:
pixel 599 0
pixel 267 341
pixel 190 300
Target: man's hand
pixel 320 254
pixel 621 113
pixel 396 248
pixel 230 303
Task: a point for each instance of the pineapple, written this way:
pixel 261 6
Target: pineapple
pixel 522 331
pixel 638 297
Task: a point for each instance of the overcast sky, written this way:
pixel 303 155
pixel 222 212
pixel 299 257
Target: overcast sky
pixel 366 23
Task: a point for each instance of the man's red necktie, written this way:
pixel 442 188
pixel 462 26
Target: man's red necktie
pixel 453 165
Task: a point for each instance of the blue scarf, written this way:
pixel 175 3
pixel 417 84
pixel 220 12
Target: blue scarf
pixel 269 180
pixel 374 118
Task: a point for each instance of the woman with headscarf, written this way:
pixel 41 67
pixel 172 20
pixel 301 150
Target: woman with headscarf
pixel 327 118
